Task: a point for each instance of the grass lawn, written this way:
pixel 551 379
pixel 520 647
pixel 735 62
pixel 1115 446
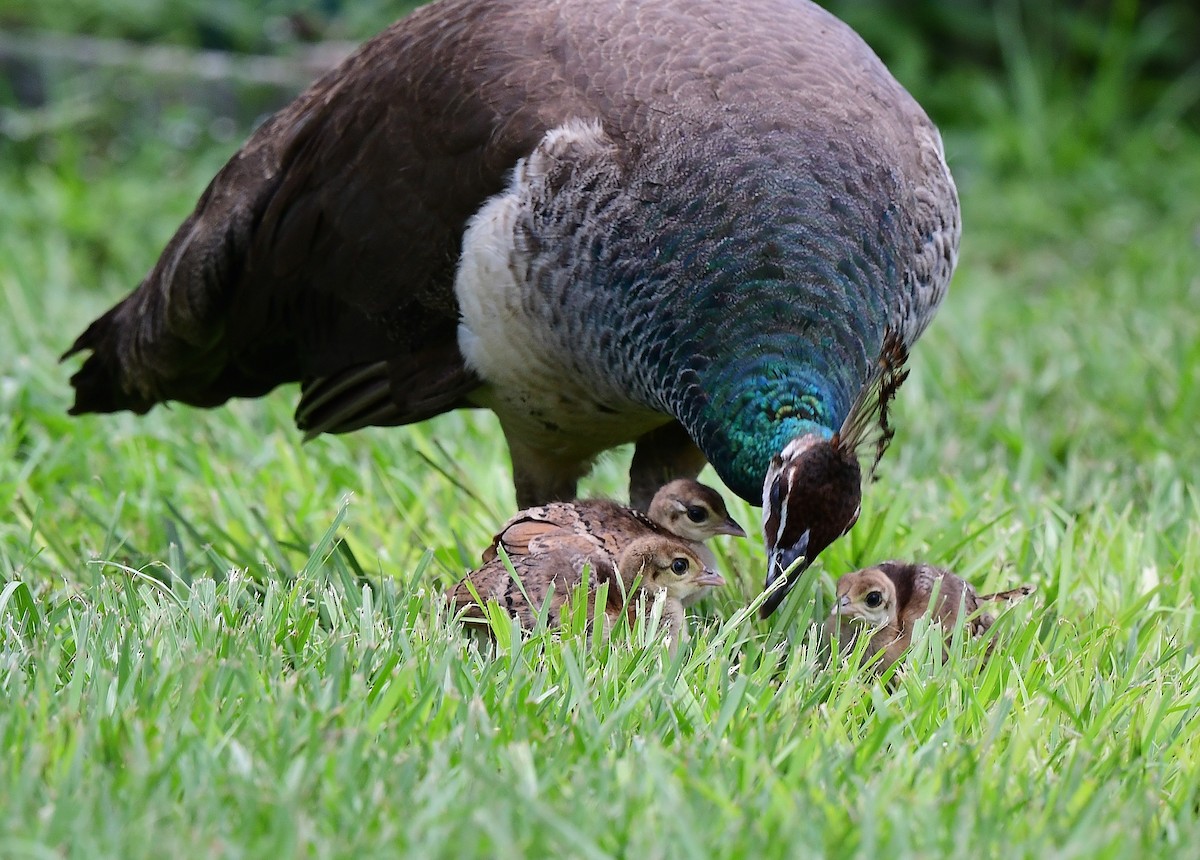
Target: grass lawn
pixel 216 641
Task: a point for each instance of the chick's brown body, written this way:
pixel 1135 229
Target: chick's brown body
pixel 549 578
pixel 887 600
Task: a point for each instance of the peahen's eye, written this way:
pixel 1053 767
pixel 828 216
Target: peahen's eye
pixel 875 598
pixel 679 566
pixel 697 514
pixel 776 494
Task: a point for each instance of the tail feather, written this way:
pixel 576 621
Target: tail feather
pixel 167 339
pixel 1012 594
pixel 137 359
pixel 97 383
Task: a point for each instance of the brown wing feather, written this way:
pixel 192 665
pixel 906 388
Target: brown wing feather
pixel 551 575
pixel 556 518
pixel 604 525
pixel 328 242
pixel 530 537
pixel 915 584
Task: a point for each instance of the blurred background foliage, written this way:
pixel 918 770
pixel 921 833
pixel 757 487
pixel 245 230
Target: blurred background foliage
pixel 1048 84
pixel 1076 76
pixel 1116 61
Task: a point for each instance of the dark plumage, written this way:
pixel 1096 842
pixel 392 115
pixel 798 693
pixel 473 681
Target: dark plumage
pixel 713 227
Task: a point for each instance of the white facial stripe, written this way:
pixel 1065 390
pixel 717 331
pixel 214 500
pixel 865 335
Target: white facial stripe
pixel 772 473
pixel 782 473
pixel 797 446
pixel 782 467
pixel 785 492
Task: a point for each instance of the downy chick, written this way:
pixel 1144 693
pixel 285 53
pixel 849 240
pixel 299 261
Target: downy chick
pixel 683 507
pixel 889 598
pixel 554 571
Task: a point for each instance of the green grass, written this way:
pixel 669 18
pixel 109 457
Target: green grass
pixel 216 641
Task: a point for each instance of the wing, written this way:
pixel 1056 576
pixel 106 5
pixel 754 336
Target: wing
pixel 551 574
pixel 529 530
pixel 953 595
pixel 533 538
pixel 589 526
pixel 957 596
pixel 520 597
pixel 324 251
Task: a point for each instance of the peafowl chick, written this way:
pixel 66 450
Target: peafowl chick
pixel 887 599
pixel 713 228
pixel 659 566
pixel 684 507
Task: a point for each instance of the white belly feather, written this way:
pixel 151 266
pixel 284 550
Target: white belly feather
pixel 539 390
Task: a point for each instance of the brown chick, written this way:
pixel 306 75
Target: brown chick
pixel 891 596
pixel 693 511
pixel 684 508
pixel 673 569
pixel 649 564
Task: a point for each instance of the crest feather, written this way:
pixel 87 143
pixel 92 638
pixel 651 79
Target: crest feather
pixel 867 421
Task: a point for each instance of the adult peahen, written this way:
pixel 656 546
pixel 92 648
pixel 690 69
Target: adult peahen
pixel 710 226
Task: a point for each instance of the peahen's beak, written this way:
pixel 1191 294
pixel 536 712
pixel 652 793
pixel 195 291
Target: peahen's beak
pixel 780 564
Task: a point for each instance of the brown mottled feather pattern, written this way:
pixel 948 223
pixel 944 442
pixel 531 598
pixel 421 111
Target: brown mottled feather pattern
pixel 610 526
pixel 607 525
pixel 905 591
pixel 553 573
pixel 550 577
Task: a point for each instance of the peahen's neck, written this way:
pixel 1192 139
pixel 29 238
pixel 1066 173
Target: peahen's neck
pixel 764 354
pixel 749 416
pixel 764 331
pixel 751 324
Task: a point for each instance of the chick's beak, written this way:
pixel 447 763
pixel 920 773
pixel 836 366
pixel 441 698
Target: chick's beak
pixel 710 579
pixel 731 527
pixel 780 561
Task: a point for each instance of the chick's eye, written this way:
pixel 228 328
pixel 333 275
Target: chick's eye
pixel 697 514
pixel 875 598
pixel 679 566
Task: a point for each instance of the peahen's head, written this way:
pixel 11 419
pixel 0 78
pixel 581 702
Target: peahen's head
pixel 813 488
pixel 811 498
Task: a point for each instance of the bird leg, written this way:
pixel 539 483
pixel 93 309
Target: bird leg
pixel 660 456
pixel 540 477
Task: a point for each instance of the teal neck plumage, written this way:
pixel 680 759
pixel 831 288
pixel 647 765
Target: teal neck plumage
pixel 757 323
pixel 740 431
pixel 770 338
pixel 748 300
pixel 765 330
